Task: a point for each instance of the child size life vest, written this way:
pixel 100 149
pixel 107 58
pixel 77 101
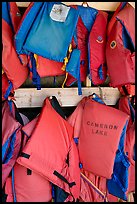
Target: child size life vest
pixel 126 106
pixel 52 27
pixel 11 62
pixel 120 48
pixel 11 139
pixel 59 172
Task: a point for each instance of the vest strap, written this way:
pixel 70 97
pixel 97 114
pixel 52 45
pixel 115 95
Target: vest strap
pixel 27 156
pixel 64 179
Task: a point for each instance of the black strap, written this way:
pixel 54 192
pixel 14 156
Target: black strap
pixel 64 179
pixel 29 171
pixel 125 90
pixel 27 156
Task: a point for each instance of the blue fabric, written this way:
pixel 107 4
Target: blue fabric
pixel 98 99
pixel 100 72
pixel 35 75
pixel 73 67
pixel 127 40
pixel 6 13
pixel 123 5
pixel 58 194
pixel 5 149
pixel 118 184
pixel 8 90
pixel 8 149
pixel 88 16
pixel 47 38
pixel 10 102
pixel 13 185
pixel 76 140
pixel 22 33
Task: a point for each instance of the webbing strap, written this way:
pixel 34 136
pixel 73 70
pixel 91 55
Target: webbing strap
pixel 27 156
pixel 13 186
pixel 64 179
pixel 35 77
pixel 8 90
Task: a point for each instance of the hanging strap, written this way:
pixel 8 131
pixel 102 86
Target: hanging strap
pixel 8 90
pixel 13 185
pixel 35 77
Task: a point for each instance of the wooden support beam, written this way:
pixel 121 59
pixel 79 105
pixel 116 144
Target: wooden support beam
pixel 31 97
pixel 108 6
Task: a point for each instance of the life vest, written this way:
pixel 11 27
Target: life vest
pixel 123 182
pixel 125 106
pixel 57 38
pixel 120 48
pixel 100 128
pixel 97 46
pixel 55 170
pixel 11 62
pixel 11 139
pixel 20 187
pixel 88 181
pixel 91 40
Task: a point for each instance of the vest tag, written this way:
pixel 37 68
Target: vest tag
pixel 59 12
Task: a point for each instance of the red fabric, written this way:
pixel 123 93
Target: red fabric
pixel 82 44
pixel 58 133
pixel 97 48
pixel 13 68
pixel 9 126
pixel 120 60
pixel 5 85
pixel 113 18
pixel 47 67
pixel 28 188
pixel 129 142
pixel 99 137
pixel 8 190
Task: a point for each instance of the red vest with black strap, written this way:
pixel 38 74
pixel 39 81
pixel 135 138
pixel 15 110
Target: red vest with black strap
pixel 26 181
pixel 120 49
pixel 58 133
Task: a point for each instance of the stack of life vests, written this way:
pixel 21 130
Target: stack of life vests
pixel 59 39
pixel 77 60
pixel 87 167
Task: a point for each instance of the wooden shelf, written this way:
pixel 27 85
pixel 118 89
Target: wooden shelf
pixel 108 6
pixel 31 97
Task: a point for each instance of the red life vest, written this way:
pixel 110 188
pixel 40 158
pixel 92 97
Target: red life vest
pixel 97 46
pixel 120 48
pixel 104 131
pixel 11 140
pixel 125 106
pixel 25 180
pixel 12 66
pixel 58 133
pixel 92 46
